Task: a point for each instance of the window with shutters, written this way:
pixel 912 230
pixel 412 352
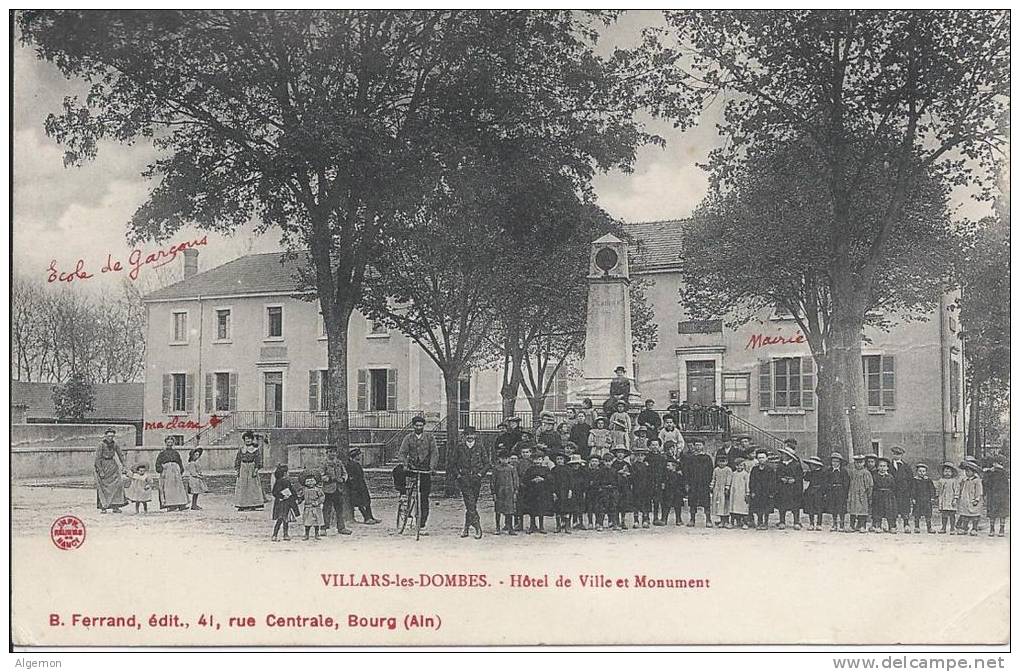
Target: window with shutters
pixel 786 383
pixel 180 326
pixel 880 381
pixel 377 389
pixel 274 322
pixel 318 390
pixel 180 392
pixel 222 392
pixel 557 399
pixel 377 329
pixel 222 324
pixel 178 439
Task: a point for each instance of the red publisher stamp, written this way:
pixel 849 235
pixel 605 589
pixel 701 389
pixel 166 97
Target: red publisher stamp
pixel 68 532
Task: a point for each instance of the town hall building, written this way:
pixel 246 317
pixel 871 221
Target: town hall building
pixel 241 340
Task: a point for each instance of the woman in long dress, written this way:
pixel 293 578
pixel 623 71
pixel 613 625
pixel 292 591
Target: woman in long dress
pixel 248 493
pixel 172 494
pixel 109 472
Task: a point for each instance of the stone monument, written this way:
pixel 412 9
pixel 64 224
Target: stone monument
pixel 608 342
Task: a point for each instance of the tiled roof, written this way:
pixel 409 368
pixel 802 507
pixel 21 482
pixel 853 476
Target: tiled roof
pixel 251 274
pixel 655 245
pixel 114 401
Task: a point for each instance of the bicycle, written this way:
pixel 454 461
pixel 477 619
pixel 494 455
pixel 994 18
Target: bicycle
pixel 409 504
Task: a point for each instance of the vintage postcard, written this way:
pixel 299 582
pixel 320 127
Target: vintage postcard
pixel 510 327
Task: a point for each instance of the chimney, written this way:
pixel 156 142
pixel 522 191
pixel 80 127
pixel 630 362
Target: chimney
pixel 190 262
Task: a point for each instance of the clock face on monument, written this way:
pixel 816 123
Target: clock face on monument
pixel 606 259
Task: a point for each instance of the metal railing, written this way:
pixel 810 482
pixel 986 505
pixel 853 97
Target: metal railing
pixel 319 419
pixel 759 437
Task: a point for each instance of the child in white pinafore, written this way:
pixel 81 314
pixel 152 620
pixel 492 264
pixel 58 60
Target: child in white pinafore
pixel 139 490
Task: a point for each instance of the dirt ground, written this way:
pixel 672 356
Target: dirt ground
pixel 738 586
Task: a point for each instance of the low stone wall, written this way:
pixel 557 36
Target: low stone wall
pixel 37 435
pixel 310 456
pixel 40 462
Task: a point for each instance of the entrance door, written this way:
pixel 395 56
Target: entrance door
pixel 701 382
pixel 274 398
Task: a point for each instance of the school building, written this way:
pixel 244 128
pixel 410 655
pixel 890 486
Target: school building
pixel 238 341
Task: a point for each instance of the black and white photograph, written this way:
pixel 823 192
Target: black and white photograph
pixel 510 328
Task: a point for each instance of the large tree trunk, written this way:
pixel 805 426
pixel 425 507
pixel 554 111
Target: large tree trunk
pixel 537 403
pixel 510 389
pixel 832 435
pixel 337 323
pixel 847 330
pixel 451 380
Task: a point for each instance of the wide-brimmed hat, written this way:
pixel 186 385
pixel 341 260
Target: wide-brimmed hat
pixel 870 455
pixel 973 466
pixel 354 452
pixel 837 456
pixel 790 442
pixel 921 464
pixel 575 459
pixel 109 430
pixel 548 415
pixel 813 460
pixel 859 458
pixel 418 418
pixel 950 465
pixel 896 450
pixel 599 419
pixel 620 368
pixel 885 459
pixel 788 451
pixel 514 418
pixel 620 449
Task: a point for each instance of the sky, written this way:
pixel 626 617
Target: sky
pixel 65 214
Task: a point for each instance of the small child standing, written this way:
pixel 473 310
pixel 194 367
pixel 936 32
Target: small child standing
pixel 581 481
pixel 922 496
pixel 997 495
pixel 140 489
pixel 739 493
pixel 641 482
pixel 313 497
pixel 285 508
pixel 968 508
pixel 625 493
pixel 673 492
pixel 722 477
pixel 947 496
pixel 564 493
pixel 505 485
pixel 814 493
pixel 883 498
pixel 194 481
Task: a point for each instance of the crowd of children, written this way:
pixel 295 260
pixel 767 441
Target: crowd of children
pixel 615 482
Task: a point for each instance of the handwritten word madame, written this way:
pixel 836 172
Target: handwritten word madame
pixel 183 423
pixel 136 261
pixel 761 340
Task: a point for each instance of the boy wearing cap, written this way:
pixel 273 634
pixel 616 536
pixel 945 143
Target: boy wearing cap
pixel 883 501
pixel 837 488
pixel 524 462
pixel 790 476
pixel 859 495
pixel 762 488
pixel 997 495
pixel 418 451
pixel 581 479
pixel 603 487
pixel 903 478
pixel 697 467
pixel 656 461
pixel 649 419
pixel 968 508
pixel 672 440
pixel 922 496
pixel 505 485
pixel 814 494
pixel 334 476
pixel 642 485
pixel 673 490
pixel 947 495
pixel 547 434
pixel 564 489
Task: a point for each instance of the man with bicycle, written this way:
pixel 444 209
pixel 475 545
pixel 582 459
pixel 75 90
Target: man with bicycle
pixel 418 452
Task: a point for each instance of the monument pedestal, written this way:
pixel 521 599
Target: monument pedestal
pixel 608 342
